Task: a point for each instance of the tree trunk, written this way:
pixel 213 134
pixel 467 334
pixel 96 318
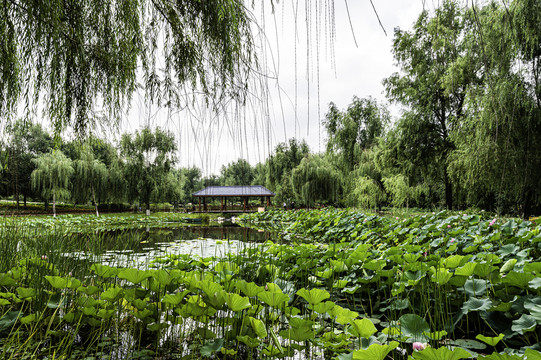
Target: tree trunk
pixel 95 203
pixel 448 191
pixel 24 200
pixel 54 204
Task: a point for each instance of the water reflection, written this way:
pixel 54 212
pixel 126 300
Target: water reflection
pixel 138 247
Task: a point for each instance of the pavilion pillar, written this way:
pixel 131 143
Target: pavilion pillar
pixel 268 201
pixel 245 203
pixel 222 205
pixel 199 204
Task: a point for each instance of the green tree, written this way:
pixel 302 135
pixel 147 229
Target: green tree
pixel 148 156
pixel 90 177
pixel 497 161
pixel 52 176
pixel 434 99
pixel 355 129
pixel 316 180
pixel 77 54
pixel 239 172
pixel 26 141
pixel 191 182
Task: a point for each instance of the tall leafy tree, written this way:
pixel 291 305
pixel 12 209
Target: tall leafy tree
pixel 78 54
pixel 239 172
pixel 316 180
pixel 26 141
pixel 52 176
pixel 497 162
pixel 355 129
pixel 149 156
pixel 90 177
pixel 434 100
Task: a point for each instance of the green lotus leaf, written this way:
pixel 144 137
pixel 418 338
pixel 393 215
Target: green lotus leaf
pixel 455 261
pixel 323 307
pixel 274 299
pixel 374 265
pixel 508 249
pixel 105 314
pixel 375 351
pixel 4 302
pixel 518 279
pixel 105 271
pixel 174 299
pixel 249 289
pixel 8 319
pixel 532 354
pixel 535 283
pixel 362 328
pixel 112 294
pixel 6 280
pixel 437 335
pixel 475 287
pixel 211 347
pixel 475 304
pixel 466 270
pixel 28 319
pixel 468 344
pixel 441 276
pixel 314 296
pixel 135 276
pixel 26 293
pixel 237 303
pixel 524 324
pixel 299 334
pixel 88 290
pixel 441 353
pixel 92 321
pixel 89 311
pixel 502 356
pixel 142 314
pixel 492 341
pixel 342 315
pixel 534 267
pixel 259 327
pixel 57 282
pixel 508 266
pixel 340 284
pixel 157 326
pixel 209 287
pixel 163 277
pixel 249 341
pixel 414 327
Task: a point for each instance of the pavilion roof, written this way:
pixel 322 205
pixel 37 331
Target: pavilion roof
pixel 237 190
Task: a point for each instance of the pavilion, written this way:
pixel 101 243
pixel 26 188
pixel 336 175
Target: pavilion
pixel 243 192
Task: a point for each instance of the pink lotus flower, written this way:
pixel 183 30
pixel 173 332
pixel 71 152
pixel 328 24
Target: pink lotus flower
pixel 492 222
pixel 418 346
pixel 448 226
pixel 452 240
pixel 43 257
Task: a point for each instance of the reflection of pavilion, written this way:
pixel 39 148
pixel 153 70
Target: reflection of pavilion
pixel 244 193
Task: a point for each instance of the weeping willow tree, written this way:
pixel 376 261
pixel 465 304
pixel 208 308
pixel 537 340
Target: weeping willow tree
pixel 91 176
pixel 316 180
pixel 84 58
pixel 52 176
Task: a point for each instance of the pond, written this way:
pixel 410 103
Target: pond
pixel 139 247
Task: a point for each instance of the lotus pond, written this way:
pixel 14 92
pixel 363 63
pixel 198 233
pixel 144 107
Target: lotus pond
pixel 327 284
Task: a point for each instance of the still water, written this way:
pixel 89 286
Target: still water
pixel 138 247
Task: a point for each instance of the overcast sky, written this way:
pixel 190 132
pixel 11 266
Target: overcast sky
pixel 362 59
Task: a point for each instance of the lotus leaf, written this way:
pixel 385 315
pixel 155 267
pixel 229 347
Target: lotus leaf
pixel 524 324
pixel 157 326
pixel 314 296
pixel 437 335
pixel 492 341
pixel 26 293
pixel 249 341
pixel 375 351
pixel 273 298
pixel 298 334
pixel 28 319
pixel 342 315
pixel 362 328
pixel 413 326
pixel 259 327
pixel 466 270
pixel 441 276
pixel 57 282
pixel 105 314
pixel 532 354
pixel 475 304
pixel 475 287
pixel 134 276
pixel 105 271
pixel 237 303
pixel 323 307
pixel 535 283
pixel 112 294
pixel 6 280
pixel 442 353
pixel 249 289
pixel 174 299
pixel 503 356
pixel 508 266
pixel 518 279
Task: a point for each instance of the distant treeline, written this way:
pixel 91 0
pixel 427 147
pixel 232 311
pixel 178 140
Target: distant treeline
pixel 469 134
